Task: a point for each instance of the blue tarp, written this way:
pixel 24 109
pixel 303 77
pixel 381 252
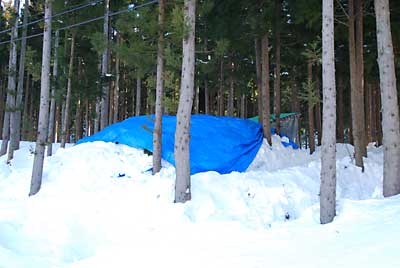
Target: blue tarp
pixel 222 144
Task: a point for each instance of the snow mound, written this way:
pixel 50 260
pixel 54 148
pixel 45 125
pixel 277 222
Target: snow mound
pixel 99 206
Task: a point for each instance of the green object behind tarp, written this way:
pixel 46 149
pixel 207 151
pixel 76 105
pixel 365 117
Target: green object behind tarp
pixel 272 117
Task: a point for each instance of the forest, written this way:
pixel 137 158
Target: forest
pixel 69 69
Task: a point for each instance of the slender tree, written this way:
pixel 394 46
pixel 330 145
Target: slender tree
pixel 356 96
pixel 117 82
pixel 104 68
pixel 65 121
pixel 157 134
pixel 277 81
pixel 43 125
pixel 328 156
pixel 50 133
pixel 310 106
pixel 390 105
pixel 265 89
pixel 12 70
pixel 15 117
pixel 182 133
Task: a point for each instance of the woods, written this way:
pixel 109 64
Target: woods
pixel 113 59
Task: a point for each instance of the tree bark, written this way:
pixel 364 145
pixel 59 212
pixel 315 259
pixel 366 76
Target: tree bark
pixel 138 95
pixel 340 110
pixel 221 91
pixel 277 81
pixel 231 92
pixel 15 119
pixel 43 125
pixel 318 107
pixel 360 74
pixel 310 108
pixel 257 48
pixel 242 106
pixel 265 89
pixel 104 69
pixel 12 69
pixel 182 134
pixel 390 105
pixel 116 88
pixel 356 97
pixel 50 133
pixel 206 97
pixel 65 122
pixel 328 156
pixel 157 134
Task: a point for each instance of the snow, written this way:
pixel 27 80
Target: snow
pixel 99 206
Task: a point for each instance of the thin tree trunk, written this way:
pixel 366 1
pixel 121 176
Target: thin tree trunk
pixel 318 107
pixel 265 89
pixel 328 156
pixel 367 110
pixel 360 74
pixel 88 125
pixel 310 108
pixel 25 117
pixel 390 104
pixel 44 104
pixel 242 106
pixel 12 69
pixel 257 48
pixel 206 97
pixel 116 88
pixel 78 112
pixel 277 81
pixel 182 134
pixel 221 91
pixel 138 94
pixel 340 110
pixel 16 116
pixel 196 100
pixel 104 69
pixel 356 100
pixel 231 92
pixel 373 112
pixel 50 134
pixel 157 134
pixel 65 123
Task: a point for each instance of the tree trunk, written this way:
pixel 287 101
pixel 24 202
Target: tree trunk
pixel 65 122
pixel 373 112
pixel 196 100
pixel 182 134
pixel 242 106
pixel 265 89
pixel 340 110
pixel 310 108
pixel 221 91
pixel 328 156
pixel 50 134
pixel 257 48
pixel 12 69
pixel 104 69
pixel 390 105
pixel 44 104
pixel 157 134
pixel 318 107
pixel 138 95
pixel 360 74
pixel 78 120
pixel 206 97
pixel 277 81
pixel 356 98
pixel 15 123
pixel 116 88
pixel 231 92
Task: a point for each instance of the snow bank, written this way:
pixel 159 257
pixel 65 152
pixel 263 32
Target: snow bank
pixel 99 206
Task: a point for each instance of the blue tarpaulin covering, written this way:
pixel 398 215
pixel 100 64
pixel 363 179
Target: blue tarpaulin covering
pixel 222 144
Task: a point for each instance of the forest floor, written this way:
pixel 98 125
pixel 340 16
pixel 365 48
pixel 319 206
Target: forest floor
pixel 99 206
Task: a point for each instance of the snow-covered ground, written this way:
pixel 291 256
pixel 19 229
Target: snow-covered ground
pixel 99 206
